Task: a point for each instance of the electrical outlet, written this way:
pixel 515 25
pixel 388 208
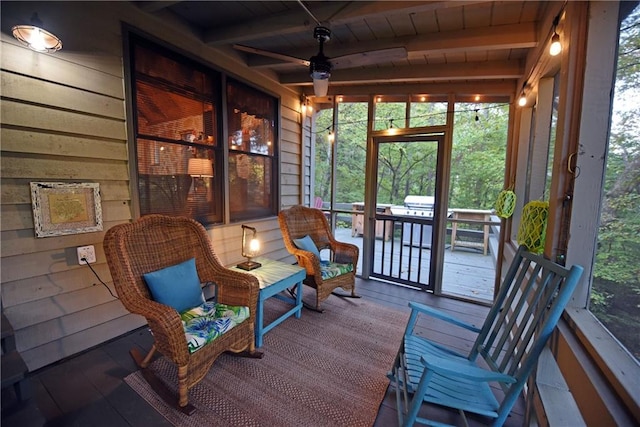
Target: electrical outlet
pixel 88 253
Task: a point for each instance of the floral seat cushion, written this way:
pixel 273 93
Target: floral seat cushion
pixel 208 321
pixel 329 270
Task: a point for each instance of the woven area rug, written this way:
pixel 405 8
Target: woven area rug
pixel 324 369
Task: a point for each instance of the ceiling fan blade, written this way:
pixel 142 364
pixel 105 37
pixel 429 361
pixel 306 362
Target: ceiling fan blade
pixel 368 58
pixel 270 54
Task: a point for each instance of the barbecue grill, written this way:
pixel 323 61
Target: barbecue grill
pixel 416 206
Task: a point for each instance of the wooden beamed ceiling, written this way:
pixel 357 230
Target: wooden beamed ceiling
pixel 460 46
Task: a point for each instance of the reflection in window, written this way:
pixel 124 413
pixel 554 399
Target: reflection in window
pixel 252 164
pixel 176 135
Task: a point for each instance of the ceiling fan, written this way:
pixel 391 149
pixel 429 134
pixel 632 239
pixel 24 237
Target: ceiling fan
pixel 320 66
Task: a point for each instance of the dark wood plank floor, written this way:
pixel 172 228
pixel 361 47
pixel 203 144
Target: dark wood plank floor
pixel 88 389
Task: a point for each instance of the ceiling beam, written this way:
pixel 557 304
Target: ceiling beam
pixel 329 13
pixel 488 70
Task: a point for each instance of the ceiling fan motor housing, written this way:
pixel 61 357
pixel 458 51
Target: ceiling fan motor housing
pixel 320 66
pixel 322 34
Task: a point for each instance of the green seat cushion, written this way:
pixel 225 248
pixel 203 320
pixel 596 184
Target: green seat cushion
pixel 208 321
pixel 329 270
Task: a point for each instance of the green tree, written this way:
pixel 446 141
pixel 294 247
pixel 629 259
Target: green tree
pixel 615 296
pixel 478 157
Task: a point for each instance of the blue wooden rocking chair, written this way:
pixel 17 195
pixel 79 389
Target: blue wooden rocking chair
pixel 533 295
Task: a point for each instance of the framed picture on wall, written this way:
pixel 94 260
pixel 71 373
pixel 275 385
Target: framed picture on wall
pixel 61 208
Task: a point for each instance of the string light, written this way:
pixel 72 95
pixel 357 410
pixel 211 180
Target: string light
pixel 556 46
pixel 523 96
pixel 392 130
pixel 522 101
pixel 331 134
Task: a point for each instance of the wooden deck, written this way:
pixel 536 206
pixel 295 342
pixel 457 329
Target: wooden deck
pixel 88 389
pixel 468 273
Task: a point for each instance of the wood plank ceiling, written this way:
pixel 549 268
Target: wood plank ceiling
pixel 462 46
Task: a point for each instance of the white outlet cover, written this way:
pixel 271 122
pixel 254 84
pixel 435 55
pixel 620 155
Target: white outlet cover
pixel 87 252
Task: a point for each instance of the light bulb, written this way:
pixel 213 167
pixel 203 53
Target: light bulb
pixel 254 246
pixel 522 101
pixel 556 46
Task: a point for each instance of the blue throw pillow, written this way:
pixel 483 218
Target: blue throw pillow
pixel 177 286
pixel 306 244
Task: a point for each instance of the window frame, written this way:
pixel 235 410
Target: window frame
pixel 221 165
pixel 616 364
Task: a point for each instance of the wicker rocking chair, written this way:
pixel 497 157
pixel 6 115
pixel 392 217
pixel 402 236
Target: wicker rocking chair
pixel 155 242
pixel 325 276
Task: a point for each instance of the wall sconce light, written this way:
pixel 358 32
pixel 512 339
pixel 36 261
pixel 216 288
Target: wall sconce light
pixel 250 249
pixel 200 168
pixel 35 37
pixel 556 46
pixel 307 108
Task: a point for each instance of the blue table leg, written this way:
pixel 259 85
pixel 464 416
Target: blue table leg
pixel 299 300
pixel 259 322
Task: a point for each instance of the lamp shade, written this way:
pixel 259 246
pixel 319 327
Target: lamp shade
pixel 200 167
pixel 35 37
pixel 320 87
pixel 250 248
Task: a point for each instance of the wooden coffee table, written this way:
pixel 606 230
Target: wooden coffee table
pixel 275 277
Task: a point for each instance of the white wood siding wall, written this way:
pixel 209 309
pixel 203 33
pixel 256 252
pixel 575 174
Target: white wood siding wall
pixel 63 119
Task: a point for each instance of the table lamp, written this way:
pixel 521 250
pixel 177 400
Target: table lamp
pixel 250 249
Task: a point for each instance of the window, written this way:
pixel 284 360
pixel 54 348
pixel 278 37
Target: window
pixel 427 112
pixel 552 135
pixel 323 156
pixel 252 161
pixel 390 113
pixel 177 137
pixel 615 293
pixel 179 144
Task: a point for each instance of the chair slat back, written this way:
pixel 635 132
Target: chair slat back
pixel 532 297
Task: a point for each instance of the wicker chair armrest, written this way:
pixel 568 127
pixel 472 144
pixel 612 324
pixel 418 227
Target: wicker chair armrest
pixel 166 327
pixel 236 288
pixel 310 262
pixel 345 253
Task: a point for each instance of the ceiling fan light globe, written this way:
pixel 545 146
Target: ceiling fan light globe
pixel 320 87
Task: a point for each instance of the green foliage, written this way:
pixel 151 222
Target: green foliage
pixel 615 295
pixel 410 168
pixel 478 157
